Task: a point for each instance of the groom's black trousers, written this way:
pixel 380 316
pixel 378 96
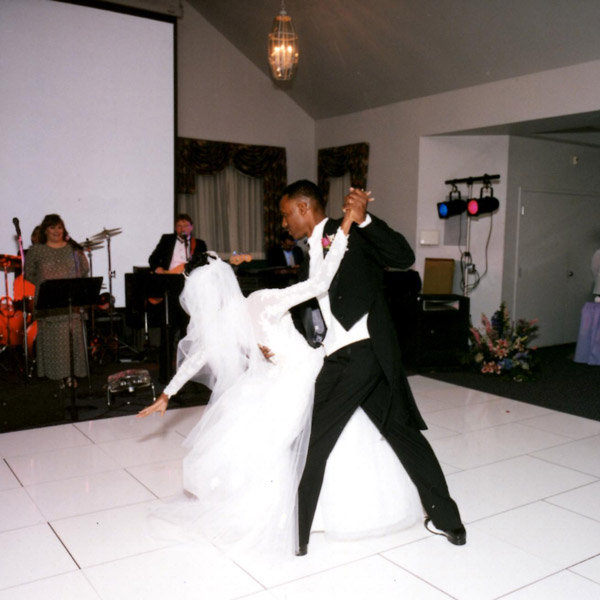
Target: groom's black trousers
pixel 352 377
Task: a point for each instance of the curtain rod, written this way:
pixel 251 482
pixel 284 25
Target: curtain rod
pixel 470 180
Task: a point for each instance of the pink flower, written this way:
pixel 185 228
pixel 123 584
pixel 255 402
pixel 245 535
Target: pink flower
pixel 327 241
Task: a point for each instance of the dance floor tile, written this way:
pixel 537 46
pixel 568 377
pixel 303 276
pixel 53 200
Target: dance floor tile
pixel 448 469
pixel 43 439
pixel 91 493
pixel 485 446
pixel 153 447
pixel 108 535
pixel 554 534
pixel 562 586
pixel 31 553
pixel 581 455
pixel 491 489
pixel 584 500
pixel 450 397
pixel 183 420
pixel 484 569
pixel 570 426
pixel 7 478
pixel 18 510
pixel 532 515
pixel 484 414
pixel 589 568
pixel 120 428
pixel 419 383
pixel 70 586
pixel 163 479
pixel 372 577
pixel 182 572
pixel 59 464
pixel 435 432
pixel 324 553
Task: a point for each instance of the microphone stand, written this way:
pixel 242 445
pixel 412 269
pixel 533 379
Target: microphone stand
pixel 22 254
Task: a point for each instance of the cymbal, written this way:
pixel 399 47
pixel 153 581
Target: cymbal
pixel 92 244
pixel 106 233
pixel 9 262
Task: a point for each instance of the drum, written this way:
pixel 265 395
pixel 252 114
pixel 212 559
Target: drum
pixel 11 328
pixel 7 306
pixel 24 304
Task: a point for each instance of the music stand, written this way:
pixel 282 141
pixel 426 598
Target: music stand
pixel 63 293
pixel 167 286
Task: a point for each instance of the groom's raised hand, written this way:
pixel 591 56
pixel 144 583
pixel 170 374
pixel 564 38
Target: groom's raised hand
pixel 356 203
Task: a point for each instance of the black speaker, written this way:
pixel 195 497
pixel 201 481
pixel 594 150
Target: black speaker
pixel 442 330
pixel 433 329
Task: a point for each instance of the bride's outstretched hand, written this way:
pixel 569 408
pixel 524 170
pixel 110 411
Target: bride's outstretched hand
pixel 266 352
pixel 159 405
pixel 355 208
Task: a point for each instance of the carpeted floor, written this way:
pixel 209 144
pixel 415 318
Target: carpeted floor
pixel 26 403
pixel 559 384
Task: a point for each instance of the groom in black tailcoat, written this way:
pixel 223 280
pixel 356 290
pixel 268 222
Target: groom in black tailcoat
pixel 362 365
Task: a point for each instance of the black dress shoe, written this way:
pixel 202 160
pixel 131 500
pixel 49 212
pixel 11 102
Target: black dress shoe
pixel 302 550
pixel 457 536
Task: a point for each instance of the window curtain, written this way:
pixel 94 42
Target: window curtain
pixel 335 162
pixel 338 188
pixel 227 210
pixel 203 157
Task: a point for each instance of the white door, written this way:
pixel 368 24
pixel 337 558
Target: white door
pixel 557 235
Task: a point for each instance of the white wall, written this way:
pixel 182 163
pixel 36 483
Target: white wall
pixel 223 96
pixel 394 133
pixel 546 166
pixel 86 115
pixel 457 157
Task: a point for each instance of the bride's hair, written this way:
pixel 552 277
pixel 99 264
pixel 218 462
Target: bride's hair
pixel 197 260
pixel 219 324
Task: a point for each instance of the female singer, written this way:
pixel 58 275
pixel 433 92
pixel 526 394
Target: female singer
pixel 56 256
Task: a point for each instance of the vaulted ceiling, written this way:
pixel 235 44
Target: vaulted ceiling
pixel 359 54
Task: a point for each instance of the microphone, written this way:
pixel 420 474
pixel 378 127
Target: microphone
pixel 16 224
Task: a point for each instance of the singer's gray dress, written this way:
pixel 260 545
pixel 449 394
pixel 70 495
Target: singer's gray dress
pixel 52 342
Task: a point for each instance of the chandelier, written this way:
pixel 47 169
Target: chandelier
pixel 283 47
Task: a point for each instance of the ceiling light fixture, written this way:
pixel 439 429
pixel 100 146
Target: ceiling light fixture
pixel 283 47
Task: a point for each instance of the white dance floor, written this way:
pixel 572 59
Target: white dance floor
pixel 74 500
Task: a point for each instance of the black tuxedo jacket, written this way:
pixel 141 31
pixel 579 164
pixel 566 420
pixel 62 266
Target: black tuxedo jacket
pixel 357 289
pixel 162 254
pixel 276 256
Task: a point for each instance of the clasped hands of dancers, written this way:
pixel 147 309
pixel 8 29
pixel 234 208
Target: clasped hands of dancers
pixel 359 368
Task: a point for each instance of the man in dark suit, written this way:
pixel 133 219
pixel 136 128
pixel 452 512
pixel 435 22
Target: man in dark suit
pixel 172 253
pixel 174 250
pixel 286 254
pixel 362 365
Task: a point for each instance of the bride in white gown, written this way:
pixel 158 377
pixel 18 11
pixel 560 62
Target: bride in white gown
pixel 247 452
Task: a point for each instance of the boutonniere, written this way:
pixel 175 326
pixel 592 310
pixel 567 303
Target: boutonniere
pixel 327 241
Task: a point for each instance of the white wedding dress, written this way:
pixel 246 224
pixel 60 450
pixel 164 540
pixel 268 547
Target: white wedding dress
pixel 247 452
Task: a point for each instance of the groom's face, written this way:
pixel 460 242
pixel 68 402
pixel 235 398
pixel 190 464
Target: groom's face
pixel 295 216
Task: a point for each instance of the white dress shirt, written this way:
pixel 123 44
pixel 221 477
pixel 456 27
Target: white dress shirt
pixel 179 253
pixel 289 258
pixel 337 337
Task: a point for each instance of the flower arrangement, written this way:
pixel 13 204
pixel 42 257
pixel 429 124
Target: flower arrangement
pixel 501 347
